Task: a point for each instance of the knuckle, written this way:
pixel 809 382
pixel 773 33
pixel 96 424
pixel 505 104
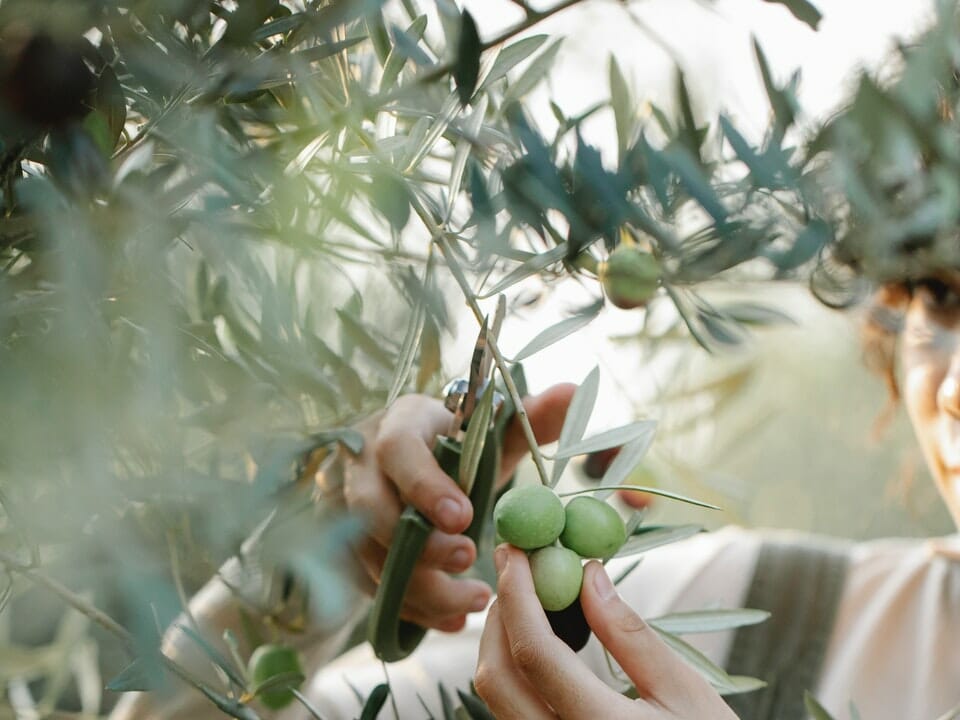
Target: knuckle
pixel 419 488
pixel 390 444
pixel 359 496
pixel 529 655
pixel 485 681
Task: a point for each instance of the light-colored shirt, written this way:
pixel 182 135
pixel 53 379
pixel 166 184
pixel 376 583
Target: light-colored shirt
pixel 894 651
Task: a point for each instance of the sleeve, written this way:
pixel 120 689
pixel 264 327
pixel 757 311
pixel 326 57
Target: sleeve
pixel 709 570
pixel 223 604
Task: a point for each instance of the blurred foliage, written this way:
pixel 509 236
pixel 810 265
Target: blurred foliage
pixel 227 233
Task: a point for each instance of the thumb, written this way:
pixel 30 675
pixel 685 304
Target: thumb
pixel 656 670
pixel 546 413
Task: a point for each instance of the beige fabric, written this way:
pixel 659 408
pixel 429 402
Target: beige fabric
pixel 895 650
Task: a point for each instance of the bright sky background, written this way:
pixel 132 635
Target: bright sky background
pixel 712 43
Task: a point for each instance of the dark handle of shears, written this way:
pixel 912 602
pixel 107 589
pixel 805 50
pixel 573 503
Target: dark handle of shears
pixel 393 639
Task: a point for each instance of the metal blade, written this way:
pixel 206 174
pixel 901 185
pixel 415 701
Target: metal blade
pixel 476 373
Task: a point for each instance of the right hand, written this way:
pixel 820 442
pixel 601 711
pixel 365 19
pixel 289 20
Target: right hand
pixel 525 672
pixel 397 467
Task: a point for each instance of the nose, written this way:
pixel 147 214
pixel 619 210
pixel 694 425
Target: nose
pixel 948 394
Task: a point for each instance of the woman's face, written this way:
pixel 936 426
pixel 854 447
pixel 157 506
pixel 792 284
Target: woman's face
pixel 930 361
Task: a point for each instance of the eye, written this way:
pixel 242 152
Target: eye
pixel 937 295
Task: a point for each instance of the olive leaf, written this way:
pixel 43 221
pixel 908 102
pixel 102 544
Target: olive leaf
pixel 214 655
pixel 314 713
pixel 802 10
pixel 511 56
pixel 603 491
pixel 611 438
pixel 462 153
pixel 649 537
pixel 466 69
pixel 557 332
pixel 578 415
pixel 816 710
pixel 621 100
pixel 280 681
pixel 475 707
pixel 533 75
pixel 475 439
pixel 951 714
pixel 624 463
pixel 375 702
pixel 704 621
pixel 713 673
pixel 411 339
pixel 531 266
pixel 446 703
pixel 142 675
pixel 397 57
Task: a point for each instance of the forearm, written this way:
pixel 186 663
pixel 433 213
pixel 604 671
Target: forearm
pixel 228 604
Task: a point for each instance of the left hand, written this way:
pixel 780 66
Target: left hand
pixel 526 672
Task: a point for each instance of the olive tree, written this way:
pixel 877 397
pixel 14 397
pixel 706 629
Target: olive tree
pixel 233 229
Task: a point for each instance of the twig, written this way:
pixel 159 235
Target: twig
pixel 440 237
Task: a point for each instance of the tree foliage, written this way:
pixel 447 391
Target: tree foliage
pixel 230 230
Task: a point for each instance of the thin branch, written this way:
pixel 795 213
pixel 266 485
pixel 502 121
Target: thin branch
pixel 440 237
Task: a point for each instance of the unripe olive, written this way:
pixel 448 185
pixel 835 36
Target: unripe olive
pixel 557 576
pixel 270 661
pixel 592 529
pixel 529 517
pixel 631 277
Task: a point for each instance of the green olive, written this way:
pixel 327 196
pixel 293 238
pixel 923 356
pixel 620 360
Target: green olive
pixel 592 529
pixel 273 661
pixel 557 576
pixel 631 277
pixel 529 517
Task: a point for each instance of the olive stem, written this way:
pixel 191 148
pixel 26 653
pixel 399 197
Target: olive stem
pixel 440 237
pixel 641 488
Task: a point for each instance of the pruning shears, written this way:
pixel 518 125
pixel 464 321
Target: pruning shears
pixel 469 453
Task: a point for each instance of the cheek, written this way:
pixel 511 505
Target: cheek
pixel 921 381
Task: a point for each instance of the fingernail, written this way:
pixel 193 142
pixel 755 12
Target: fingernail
pixel 479 603
pixel 603 586
pixel 448 512
pixel 459 559
pixel 500 558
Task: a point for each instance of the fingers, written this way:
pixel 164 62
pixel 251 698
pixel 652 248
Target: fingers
pixel 370 494
pixel 546 413
pixel 654 668
pixel 507 693
pixel 545 660
pixel 433 597
pixel 402 450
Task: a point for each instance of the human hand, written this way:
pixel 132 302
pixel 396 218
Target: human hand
pixel 397 467
pixel 526 672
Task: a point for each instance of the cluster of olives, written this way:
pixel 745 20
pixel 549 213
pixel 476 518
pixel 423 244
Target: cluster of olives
pixel 533 518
